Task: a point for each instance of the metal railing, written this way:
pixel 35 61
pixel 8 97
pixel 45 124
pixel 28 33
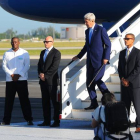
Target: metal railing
pixel 117 26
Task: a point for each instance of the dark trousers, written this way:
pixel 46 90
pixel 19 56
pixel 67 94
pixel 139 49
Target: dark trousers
pixel 49 93
pixel 22 90
pixel 91 72
pixel 129 95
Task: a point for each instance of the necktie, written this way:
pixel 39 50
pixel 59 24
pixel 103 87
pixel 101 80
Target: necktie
pixel 128 52
pixel 45 54
pixel 90 34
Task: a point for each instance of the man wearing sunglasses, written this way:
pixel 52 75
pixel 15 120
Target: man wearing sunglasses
pixel 129 73
pixel 48 73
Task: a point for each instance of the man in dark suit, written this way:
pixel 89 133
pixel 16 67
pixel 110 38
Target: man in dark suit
pixel 98 48
pixel 48 72
pixel 129 73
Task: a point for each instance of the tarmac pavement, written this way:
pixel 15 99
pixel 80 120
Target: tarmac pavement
pixel 68 130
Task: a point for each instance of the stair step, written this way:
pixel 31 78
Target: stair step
pixel 87 114
pixel 112 83
pixel 113 86
pixel 99 94
pixel 82 110
pixel 115 78
pixel 82 114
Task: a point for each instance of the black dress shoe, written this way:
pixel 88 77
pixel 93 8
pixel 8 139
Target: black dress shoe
pixel 91 107
pixel 55 124
pixel 4 123
pixel 30 123
pixel 44 124
pixel 88 108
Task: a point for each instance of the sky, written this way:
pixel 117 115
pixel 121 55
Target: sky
pixel 21 25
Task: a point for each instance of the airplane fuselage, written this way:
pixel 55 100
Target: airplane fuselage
pixel 68 11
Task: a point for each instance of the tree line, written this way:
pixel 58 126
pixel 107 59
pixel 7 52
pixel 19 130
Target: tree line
pixel 41 33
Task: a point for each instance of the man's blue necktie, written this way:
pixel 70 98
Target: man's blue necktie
pixel 45 54
pixel 90 34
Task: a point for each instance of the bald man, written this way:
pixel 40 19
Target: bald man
pixel 48 73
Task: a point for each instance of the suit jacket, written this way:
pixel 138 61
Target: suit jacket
pixel 99 47
pixel 130 69
pixel 50 66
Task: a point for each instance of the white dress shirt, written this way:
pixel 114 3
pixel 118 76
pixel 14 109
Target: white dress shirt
pixel 50 49
pixel 16 63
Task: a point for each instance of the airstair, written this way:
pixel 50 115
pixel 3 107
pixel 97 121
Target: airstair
pixel 74 94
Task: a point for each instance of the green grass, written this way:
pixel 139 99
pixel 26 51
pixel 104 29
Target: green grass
pixel 70 52
pixel 37 52
pixel 40 44
pixel 2 52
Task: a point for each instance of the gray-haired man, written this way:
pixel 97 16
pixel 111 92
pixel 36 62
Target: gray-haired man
pixel 98 48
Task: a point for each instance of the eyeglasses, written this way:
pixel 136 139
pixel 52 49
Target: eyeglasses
pixel 127 38
pixel 46 41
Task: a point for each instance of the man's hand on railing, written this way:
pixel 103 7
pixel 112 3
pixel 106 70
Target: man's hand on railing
pixel 75 58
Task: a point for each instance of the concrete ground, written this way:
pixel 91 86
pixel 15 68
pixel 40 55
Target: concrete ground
pixel 68 130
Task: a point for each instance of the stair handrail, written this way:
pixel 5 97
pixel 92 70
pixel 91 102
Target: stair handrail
pixel 123 20
pixel 71 65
